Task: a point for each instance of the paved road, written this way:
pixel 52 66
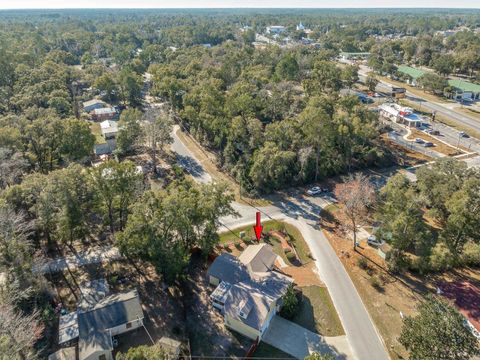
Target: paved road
pixel 187 160
pixel 300 342
pixel 303 212
pixel 470 121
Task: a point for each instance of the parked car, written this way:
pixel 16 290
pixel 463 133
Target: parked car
pixel 419 141
pixel 463 134
pixel 427 144
pixel 472 328
pixel 315 191
pixel 373 241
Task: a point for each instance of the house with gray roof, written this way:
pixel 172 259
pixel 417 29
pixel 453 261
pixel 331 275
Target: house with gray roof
pixel 249 290
pixel 93 104
pixel 98 318
pixel 115 314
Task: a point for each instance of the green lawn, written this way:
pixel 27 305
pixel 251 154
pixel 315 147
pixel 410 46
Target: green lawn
pixel 317 312
pixel 269 352
pixel 294 234
pixel 97 132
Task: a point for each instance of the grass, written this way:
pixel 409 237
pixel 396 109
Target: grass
pixel 97 132
pixel 270 352
pixel 294 234
pixel 317 312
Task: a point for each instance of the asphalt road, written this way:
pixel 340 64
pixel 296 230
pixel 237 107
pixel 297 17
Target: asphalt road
pixel 302 212
pixel 472 122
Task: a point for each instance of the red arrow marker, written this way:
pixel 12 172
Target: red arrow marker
pixel 258 227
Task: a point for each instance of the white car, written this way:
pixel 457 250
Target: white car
pixel 372 241
pixel 472 328
pixel 315 190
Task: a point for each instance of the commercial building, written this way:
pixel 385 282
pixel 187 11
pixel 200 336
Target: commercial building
pixel 400 115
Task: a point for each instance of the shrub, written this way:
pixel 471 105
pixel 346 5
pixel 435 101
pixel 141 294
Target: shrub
pixel 376 283
pixel 471 254
pixel 441 258
pixel 290 303
pixel 362 263
pixel 291 256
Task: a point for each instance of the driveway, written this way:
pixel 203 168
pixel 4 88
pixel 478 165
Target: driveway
pixel 300 342
pixel 94 255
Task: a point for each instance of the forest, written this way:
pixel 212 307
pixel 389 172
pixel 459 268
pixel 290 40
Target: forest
pixel 273 117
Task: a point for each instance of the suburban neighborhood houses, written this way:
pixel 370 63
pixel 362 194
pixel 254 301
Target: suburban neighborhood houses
pixel 239 183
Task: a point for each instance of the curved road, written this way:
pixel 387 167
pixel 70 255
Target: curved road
pixel 302 212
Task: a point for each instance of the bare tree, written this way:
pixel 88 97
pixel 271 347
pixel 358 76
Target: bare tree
pixel 18 332
pixel 356 194
pixel 15 245
pixel 158 129
pixel 12 167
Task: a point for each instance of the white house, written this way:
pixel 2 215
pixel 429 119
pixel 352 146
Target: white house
pixel 248 291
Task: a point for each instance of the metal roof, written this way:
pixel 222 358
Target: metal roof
pixel 465 86
pixel 413 72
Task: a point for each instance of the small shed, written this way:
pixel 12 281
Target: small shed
pixel 171 346
pixel 383 250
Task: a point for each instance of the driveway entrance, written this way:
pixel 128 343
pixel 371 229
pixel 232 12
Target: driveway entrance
pixel 300 342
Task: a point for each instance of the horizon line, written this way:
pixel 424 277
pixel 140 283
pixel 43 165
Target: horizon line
pixel 243 8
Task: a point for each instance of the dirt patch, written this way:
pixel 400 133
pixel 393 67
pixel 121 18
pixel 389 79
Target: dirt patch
pixel 305 275
pixel 404 156
pixel 163 309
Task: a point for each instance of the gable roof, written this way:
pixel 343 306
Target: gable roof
pixel 228 268
pixel 109 127
pixel 106 110
pixel 112 311
pixel 412 72
pixel 254 304
pixel 93 102
pixel 258 258
pixel 465 86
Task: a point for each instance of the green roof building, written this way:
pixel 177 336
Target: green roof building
pixel 464 89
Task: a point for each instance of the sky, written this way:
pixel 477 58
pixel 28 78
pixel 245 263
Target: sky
pixel 60 4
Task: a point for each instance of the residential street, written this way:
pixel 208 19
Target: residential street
pixel 303 212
